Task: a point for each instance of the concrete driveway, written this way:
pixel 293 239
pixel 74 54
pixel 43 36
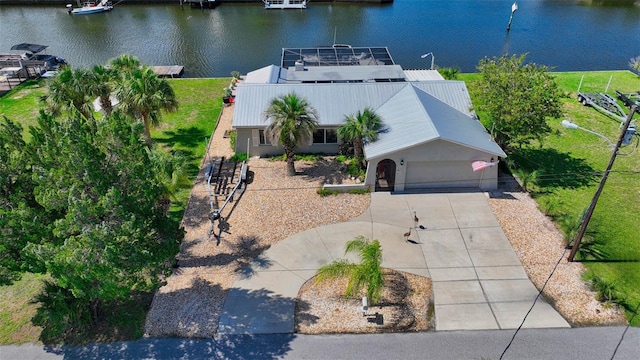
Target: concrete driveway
pixel 478 281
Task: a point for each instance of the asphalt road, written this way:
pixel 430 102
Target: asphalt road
pixel 579 343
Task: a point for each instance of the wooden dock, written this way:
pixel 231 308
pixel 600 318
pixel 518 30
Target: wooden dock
pixel 172 71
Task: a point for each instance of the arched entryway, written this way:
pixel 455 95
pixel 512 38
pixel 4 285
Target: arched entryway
pixel 385 175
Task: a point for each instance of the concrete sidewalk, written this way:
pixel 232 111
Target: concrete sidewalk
pixel 478 281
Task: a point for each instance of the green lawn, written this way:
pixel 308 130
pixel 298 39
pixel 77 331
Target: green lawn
pixel 188 130
pixel 571 161
pixel 22 104
pixel 185 131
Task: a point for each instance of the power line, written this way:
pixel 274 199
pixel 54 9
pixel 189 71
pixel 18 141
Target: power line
pixel 625 332
pixel 534 304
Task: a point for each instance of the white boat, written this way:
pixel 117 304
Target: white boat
pixel 90 7
pixel 285 4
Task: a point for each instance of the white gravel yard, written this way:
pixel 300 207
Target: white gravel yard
pixel 275 206
pixel 539 245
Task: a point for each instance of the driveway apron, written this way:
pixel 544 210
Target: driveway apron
pixel 478 280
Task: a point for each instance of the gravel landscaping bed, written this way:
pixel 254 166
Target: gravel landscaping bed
pixel 405 305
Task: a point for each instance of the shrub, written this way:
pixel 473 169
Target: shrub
pixel 233 136
pixel 239 157
pixel 606 290
pixel 326 192
pixel 359 191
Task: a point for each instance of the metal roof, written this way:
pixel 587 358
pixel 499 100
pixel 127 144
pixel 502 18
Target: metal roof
pixel 336 55
pixel 413 112
pixel 422 75
pixel 413 117
pixel 271 74
pixel 334 101
pixel 346 73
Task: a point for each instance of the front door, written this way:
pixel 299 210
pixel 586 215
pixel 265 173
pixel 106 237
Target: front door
pixel 385 175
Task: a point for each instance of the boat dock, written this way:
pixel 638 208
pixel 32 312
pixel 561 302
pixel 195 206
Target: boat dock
pixel 173 71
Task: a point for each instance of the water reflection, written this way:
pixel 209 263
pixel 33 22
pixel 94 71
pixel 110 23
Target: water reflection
pixel 563 34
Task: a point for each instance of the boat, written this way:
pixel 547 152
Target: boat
pixel 90 7
pixel 30 56
pixel 285 4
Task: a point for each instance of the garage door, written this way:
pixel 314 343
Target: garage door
pixel 437 174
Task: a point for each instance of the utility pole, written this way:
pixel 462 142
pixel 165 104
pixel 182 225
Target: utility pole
pixel 596 196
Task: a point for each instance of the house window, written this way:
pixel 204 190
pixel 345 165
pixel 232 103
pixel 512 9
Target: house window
pixel 264 140
pixel 325 136
pixel 260 137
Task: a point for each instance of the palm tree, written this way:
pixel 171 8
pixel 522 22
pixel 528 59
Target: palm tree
pixel 102 85
pixel 143 95
pixel 69 90
pixel 359 128
pixel 368 272
pixel 171 173
pixel 293 122
pixel 125 63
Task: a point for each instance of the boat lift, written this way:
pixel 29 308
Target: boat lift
pixel 220 177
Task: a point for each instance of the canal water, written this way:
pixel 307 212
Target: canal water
pixel 560 33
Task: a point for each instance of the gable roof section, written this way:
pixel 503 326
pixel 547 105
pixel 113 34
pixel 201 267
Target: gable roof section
pixel 414 117
pixel 334 101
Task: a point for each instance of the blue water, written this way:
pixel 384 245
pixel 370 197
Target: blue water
pixel 243 37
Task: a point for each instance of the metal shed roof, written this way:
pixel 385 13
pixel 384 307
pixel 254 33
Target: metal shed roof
pixel 334 101
pixel 413 117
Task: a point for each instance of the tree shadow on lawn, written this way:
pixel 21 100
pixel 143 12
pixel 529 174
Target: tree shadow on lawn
pixel 188 138
pixel 559 170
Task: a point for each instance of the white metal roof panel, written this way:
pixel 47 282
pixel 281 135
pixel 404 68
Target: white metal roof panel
pixel 267 75
pixel 422 75
pixel 346 73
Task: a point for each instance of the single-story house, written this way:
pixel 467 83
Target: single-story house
pixel 430 138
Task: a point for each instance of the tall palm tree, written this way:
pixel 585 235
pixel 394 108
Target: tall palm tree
pixel 368 272
pixel 69 90
pixel 293 121
pixel 143 95
pixel 360 128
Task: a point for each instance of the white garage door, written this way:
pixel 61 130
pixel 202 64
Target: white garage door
pixel 437 174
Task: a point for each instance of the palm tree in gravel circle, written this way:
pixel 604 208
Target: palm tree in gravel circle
pixel 368 272
pixel 293 121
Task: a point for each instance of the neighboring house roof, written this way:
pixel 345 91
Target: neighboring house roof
pixel 271 74
pixel 422 75
pixel 413 117
pixel 335 100
pixel 346 73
